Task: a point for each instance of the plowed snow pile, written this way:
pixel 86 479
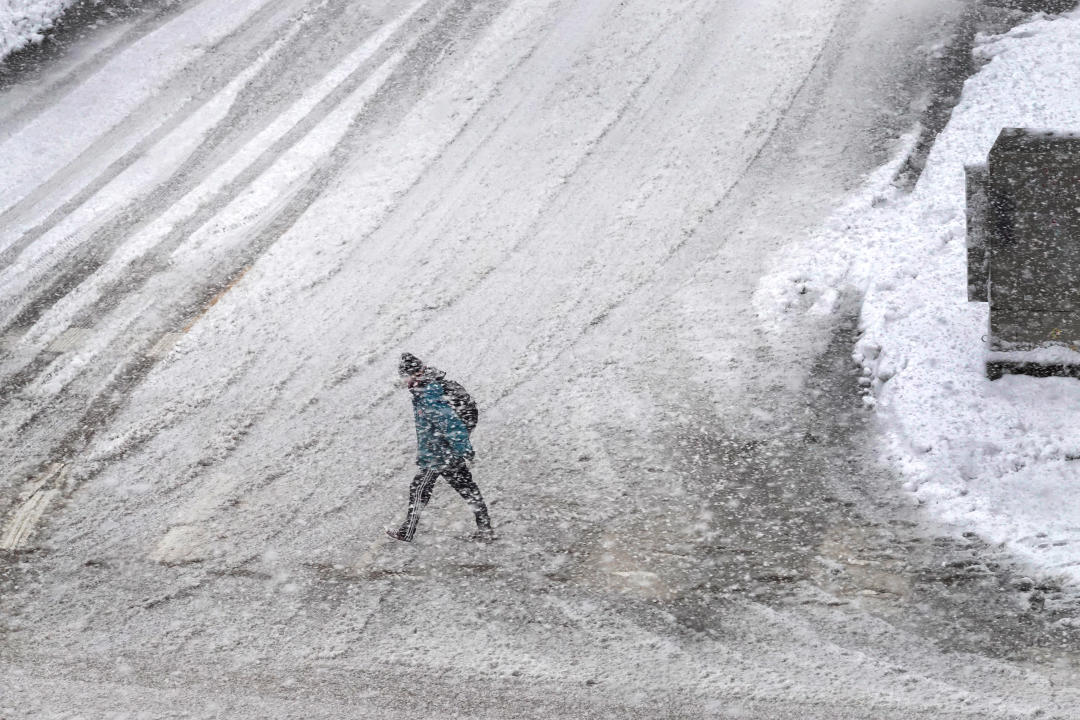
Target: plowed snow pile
pixel 1001 458
pixel 25 21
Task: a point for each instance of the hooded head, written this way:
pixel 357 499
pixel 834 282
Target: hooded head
pixel 410 365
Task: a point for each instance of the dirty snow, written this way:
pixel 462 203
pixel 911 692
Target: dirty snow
pixel 1002 458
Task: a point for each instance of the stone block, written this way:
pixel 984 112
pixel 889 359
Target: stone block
pixel 1024 250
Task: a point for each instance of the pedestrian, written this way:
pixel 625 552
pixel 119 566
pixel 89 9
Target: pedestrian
pixel 445 415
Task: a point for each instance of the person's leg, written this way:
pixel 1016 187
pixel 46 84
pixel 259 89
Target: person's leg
pixel 419 494
pixel 460 479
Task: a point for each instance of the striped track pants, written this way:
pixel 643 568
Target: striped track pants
pixel 458 476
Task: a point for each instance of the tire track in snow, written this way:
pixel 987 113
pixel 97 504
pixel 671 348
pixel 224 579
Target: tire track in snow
pixel 184 94
pixel 647 284
pixel 207 198
pixel 92 413
pixel 131 372
pixel 494 46
pixel 590 148
pixel 26 105
pixel 616 111
pixel 767 139
pixel 292 212
pixel 608 130
pixel 185 203
pixel 585 151
pixel 84 233
pixel 40 361
pixel 36 158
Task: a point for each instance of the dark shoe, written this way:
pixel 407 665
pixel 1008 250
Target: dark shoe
pixel 484 535
pixel 396 535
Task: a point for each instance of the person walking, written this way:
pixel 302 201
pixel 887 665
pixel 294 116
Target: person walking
pixel 445 415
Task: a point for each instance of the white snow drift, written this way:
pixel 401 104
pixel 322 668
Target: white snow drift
pixel 1000 458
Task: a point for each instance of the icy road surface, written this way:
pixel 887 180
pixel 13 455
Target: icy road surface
pixel 221 222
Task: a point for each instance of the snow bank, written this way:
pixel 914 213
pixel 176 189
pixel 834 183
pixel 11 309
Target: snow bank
pixel 25 21
pixel 1000 458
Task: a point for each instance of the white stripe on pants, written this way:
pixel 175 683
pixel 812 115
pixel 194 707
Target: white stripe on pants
pixel 416 501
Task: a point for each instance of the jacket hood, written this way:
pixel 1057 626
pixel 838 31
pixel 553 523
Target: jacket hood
pixel 429 374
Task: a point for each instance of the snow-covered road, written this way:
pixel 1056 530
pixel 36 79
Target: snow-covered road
pixel 220 226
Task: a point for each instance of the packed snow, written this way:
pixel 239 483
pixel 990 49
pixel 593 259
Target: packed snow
pixel 570 228
pixel 999 458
